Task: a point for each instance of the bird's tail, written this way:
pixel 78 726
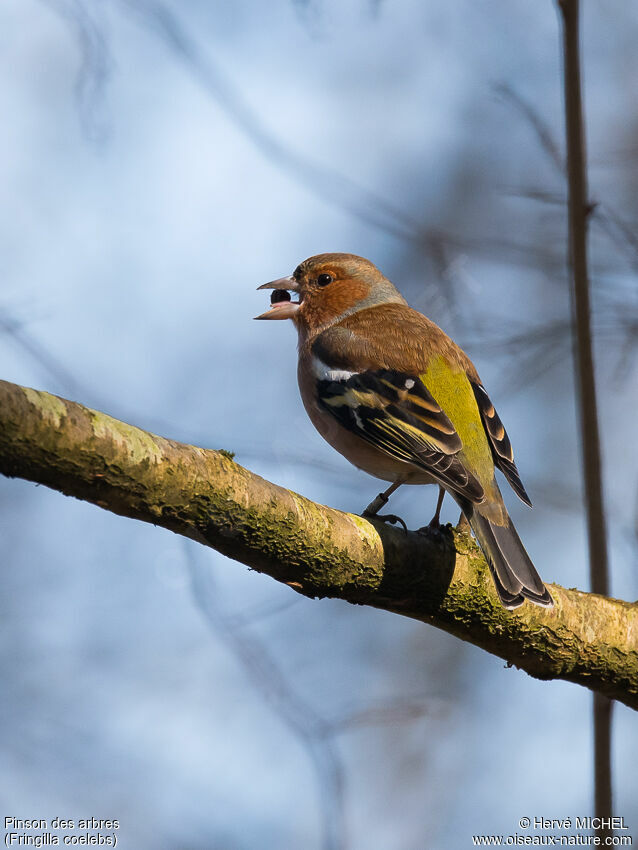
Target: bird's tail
pixel 513 572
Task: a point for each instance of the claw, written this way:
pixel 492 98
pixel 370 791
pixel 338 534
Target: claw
pixel 391 518
pixel 431 530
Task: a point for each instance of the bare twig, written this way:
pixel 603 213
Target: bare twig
pixel 608 220
pixel 38 353
pixel 540 127
pixel 579 209
pixel 300 716
pixel 326 182
pixel 96 64
pixel 297 714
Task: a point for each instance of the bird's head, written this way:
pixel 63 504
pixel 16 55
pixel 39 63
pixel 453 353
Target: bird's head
pixel 328 288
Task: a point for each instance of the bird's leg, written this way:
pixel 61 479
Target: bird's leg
pixel 382 499
pixel 435 523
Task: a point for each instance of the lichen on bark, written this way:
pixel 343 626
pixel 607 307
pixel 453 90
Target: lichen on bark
pixel 318 551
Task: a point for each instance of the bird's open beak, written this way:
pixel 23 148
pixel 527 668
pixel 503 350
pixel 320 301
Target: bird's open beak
pixel 284 309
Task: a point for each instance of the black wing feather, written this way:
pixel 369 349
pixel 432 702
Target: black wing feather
pixel 499 442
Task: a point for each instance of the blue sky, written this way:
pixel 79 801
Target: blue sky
pixel 154 171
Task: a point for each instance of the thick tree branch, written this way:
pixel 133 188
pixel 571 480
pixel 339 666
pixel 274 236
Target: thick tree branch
pixel 318 551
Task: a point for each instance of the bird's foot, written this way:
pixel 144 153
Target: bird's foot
pixel 391 518
pixel 432 529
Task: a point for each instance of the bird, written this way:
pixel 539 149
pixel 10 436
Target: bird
pixel 396 396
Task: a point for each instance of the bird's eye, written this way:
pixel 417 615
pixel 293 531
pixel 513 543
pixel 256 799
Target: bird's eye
pixel 324 279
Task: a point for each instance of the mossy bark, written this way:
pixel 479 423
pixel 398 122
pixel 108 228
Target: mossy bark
pixel 316 550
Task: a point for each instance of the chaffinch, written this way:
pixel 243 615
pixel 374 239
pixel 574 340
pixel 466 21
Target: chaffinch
pixel 389 390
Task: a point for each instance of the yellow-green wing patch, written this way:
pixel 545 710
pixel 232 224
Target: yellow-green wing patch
pixel 397 414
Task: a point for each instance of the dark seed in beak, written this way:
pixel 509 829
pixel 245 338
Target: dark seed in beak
pixel 278 295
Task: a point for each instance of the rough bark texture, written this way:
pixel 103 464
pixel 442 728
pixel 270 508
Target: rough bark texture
pixel 318 551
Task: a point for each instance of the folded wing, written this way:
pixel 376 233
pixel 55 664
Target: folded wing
pixel 396 413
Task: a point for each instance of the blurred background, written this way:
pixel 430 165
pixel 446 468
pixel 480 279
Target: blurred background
pixel 158 161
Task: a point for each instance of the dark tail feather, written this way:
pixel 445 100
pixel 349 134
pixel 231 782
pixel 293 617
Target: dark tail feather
pixel 513 572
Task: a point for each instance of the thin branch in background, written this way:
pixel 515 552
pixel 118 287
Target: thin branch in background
pixel 609 221
pixel 529 351
pixel 389 714
pixel 95 68
pixel 532 350
pixel 299 716
pixel 540 127
pixel 261 611
pixel 579 210
pixel 531 194
pixel 443 249
pixel 328 184
pixel 37 352
pixel 617 322
pixel 325 182
pixel 628 353
pixel 618 231
pixel 68 384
